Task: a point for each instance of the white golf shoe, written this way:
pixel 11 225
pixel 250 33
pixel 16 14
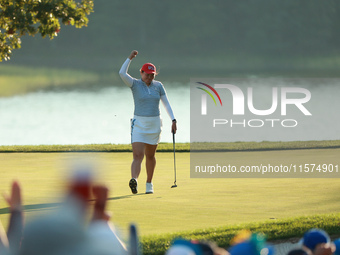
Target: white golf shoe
pixel 149 188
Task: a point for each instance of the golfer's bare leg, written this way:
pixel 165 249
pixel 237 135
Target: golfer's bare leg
pixel 150 161
pixel 138 155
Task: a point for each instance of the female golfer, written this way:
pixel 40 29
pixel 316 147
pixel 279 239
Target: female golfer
pixel 146 124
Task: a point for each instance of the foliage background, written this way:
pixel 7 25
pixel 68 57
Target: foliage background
pixel 185 37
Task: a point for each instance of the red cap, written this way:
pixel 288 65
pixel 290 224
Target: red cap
pixel 148 68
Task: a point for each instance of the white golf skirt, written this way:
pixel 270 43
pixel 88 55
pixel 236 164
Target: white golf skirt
pixel 146 129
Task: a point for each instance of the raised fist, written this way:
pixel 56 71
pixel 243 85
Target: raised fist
pixel 133 54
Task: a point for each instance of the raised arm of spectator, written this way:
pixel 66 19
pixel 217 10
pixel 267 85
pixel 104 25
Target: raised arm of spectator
pixel 16 224
pixel 100 228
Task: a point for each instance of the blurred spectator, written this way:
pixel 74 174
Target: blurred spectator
pixel 211 248
pixel 64 231
pixel 3 240
pixel 324 249
pixel 61 231
pixel 250 244
pixel 187 247
pixel 317 241
pixel 299 252
pixel 12 240
pixel 337 246
pixel 100 230
pixel 314 237
pixel 183 247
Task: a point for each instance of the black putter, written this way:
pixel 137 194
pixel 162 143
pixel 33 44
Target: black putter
pixel 173 142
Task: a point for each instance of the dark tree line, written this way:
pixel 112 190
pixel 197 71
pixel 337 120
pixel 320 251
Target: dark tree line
pixel 31 17
pixel 248 27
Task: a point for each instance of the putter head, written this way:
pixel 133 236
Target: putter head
pixel 174 186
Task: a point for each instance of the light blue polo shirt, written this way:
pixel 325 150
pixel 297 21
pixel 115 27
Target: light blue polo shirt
pixel 146 98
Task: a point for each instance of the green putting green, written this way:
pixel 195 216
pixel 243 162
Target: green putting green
pixel 194 204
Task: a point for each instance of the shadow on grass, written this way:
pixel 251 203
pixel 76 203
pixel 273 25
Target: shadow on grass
pixel 126 196
pixel 50 206
pixel 34 207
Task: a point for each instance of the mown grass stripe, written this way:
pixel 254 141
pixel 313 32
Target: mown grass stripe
pixel 180 147
pixel 274 230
